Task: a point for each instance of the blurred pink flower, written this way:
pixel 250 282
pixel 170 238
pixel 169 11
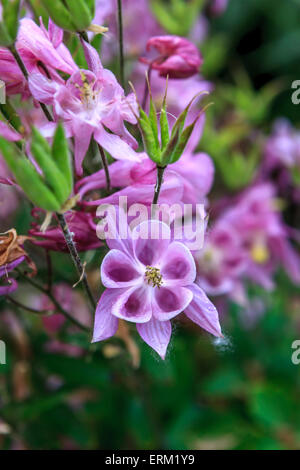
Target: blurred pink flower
pixel 178 57
pixel 222 261
pixel 283 146
pixel 257 221
pixel 150 280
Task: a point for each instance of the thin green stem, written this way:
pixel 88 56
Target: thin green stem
pixel 105 167
pixel 121 43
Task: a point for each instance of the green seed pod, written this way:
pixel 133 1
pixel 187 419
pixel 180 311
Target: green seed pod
pixel 167 154
pixel 28 178
pixel 61 156
pixel 164 129
pixel 53 177
pixel 149 140
pixel 182 142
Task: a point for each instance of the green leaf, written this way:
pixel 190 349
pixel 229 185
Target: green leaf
pixel 28 178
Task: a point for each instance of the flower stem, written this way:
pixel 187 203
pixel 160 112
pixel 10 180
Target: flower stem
pixel 75 257
pixel 121 43
pixel 60 309
pixel 23 69
pixel 159 182
pixel 105 167
pixel 84 36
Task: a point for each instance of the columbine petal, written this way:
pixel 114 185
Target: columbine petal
pixel 203 312
pixel 150 240
pixel 41 88
pixel 167 303
pixel 156 334
pixel 82 136
pixel 133 305
pixel 178 266
pixel 106 324
pixel 118 270
pixel 92 58
pixel 114 145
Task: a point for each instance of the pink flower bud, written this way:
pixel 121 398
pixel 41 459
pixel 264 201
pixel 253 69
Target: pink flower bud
pixel 178 57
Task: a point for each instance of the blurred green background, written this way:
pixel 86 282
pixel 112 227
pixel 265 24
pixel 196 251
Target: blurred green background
pixel 240 393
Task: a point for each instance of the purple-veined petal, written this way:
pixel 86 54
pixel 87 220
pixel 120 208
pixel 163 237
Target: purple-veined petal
pixel 106 324
pixel 150 241
pixel 178 266
pixel 203 312
pixel 118 270
pixel 168 302
pixel 156 334
pixel 134 305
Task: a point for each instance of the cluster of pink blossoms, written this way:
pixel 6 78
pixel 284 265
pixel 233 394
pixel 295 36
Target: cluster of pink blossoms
pixel 148 281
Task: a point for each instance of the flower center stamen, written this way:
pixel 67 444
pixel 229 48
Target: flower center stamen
pixel 153 276
pixel 87 95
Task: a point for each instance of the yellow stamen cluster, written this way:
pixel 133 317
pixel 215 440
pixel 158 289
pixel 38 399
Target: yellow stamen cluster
pixel 86 92
pixel 153 276
pixel 260 253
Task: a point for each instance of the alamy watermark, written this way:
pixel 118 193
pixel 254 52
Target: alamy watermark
pixel 296 354
pixel 2 353
pixel 2 92
pixel 187 222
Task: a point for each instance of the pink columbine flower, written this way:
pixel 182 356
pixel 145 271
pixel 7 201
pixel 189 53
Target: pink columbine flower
pixel 178 57
pixel 88 103
pixel 149 280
